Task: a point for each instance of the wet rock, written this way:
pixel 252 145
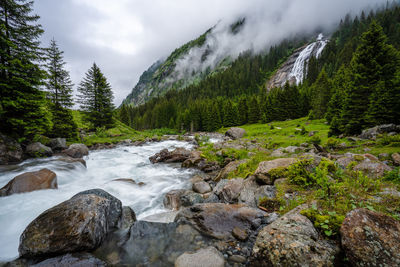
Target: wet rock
pixel 72 260
pixel 128 217
pixel 231 167
pixel 235 133
pixel 78 224
pixel 125 180
pixel 201 187
pixel 30 181
pixel 373 132
pixel 58 144
pixel 231 190
pixel 172 199
pixel 150 244
pixel 196 179
pixel 77 151
pixel 38 150
pixel 266 168
pixel 292 241
pixel 206 257
pixel 218 220
pixel 396 159
pixel 372 169
pixel 10 150
pixel 72 160
pixel 371 239
pixel 178 155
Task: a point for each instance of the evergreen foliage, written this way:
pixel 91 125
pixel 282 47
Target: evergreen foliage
pixel 96 98
pixel 23 112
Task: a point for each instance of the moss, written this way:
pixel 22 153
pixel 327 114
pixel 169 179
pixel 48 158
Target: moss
pixel 358 158
pixel 327 222
pixel 277 173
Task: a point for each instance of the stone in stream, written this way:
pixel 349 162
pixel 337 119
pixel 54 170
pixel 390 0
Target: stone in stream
pixel 78 224
pixel 38 150
pixel 30 181
pixel 76 151
pixel 371 239
pixel 10 150
pixel 128 217
pixel 72 260
pixel 180 154
pixel 292 240
pixel 72 160
pixel 125 180
pixel 201 187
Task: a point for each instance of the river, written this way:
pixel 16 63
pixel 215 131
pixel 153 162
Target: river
pixel 103 166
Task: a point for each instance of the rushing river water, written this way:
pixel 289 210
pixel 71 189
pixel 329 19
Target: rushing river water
pixel 18 210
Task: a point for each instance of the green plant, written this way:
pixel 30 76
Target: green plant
pixel 328 222
pixel 332 143
pixel 299 173
pixel 393 175
pixel 101 132
pixel 315 140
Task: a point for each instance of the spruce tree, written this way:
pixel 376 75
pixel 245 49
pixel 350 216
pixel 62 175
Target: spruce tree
pixel 320 95
pixel 96 98
pixel 59 93
pixel 22 102
pixel 124 114
pixel 374 62
pixel 243 110
pixel 254 110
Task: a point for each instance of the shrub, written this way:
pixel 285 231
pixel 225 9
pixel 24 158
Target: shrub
pixel 332 143
pixel 327 222
pixel 315 140
pixel 393 176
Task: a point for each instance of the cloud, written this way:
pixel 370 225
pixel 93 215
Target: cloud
pixel 124 37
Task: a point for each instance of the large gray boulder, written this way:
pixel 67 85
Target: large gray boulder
pixel 265 169
pixel 78 224
pixel 372 169
pixel 230 167
pixel 30 181
pixel 205 257
pixel 77 151
pixel 10 150
pixel 292 240
pixel 72 260
pixel 180 154
pixel 218 220
pixel 371 239
pixel 58 144
pixel 38 150
pixel 231 190
pixel 235 133
pixel 373 132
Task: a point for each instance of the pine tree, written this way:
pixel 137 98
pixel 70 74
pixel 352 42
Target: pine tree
pixel 96 98
pixel 243 110
pixel 22 103
pixel 124 115
pixel 58 84
pixel 374 62
pixel 320 95
pixel 59 93
pixel 254 110
pixel 339 85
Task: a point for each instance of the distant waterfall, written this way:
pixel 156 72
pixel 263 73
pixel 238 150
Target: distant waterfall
pixel 315 49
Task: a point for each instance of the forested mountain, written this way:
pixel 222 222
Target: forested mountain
pixel 240 94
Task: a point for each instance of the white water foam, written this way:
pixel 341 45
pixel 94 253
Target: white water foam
pixel 18 210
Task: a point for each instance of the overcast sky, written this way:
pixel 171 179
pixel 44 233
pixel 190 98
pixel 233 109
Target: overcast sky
pixel 124 37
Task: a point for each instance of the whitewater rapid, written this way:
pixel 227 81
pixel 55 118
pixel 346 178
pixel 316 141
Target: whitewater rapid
pixel 103 166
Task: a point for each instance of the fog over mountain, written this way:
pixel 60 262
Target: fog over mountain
pixel 125 37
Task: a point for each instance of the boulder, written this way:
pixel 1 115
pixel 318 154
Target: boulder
pixel 218 220
pixel 78 224
pixel 30 181
pixel 72 260
pixel 193 160
pixel 280 152
pixel 235 133
pixel 293 149
pixel 77 151
pixel 231 190
pixel 172 199
pixel 372 169
pixel 371 239
pixel 178 155
pixel 343 162
pixel 10 150
pixel 373 132
pixel 266 168
pixel 231 167
pixel 396 159
pixel 58 144
pixel 370 157
pixel 201 187
pixel 206 257
pixel 38 150
pixel 247 195
pixel 292 240
pixel 266 191
pixel 189 198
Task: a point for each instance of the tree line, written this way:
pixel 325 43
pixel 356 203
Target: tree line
pixel 354 85
pixel 36 94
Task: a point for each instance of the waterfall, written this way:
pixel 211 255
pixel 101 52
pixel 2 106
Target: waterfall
pixel 315 49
